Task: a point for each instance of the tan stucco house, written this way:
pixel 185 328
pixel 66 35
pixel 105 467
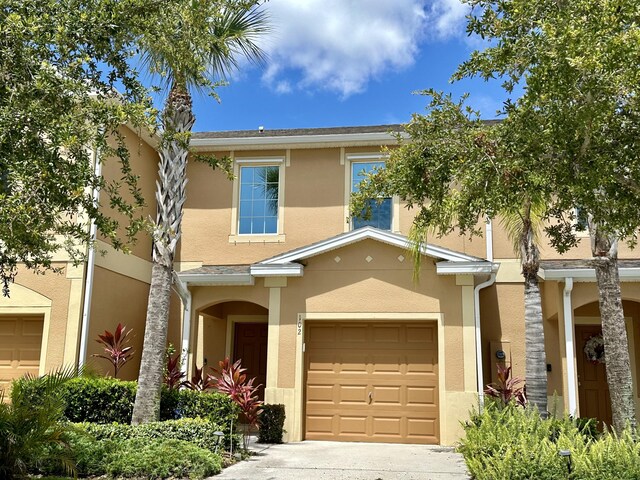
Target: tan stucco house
pixel 321 308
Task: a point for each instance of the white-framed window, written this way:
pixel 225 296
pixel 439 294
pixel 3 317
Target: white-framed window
pixel 385 216
pixel 381 209
pixel 257 212
pixel 258 203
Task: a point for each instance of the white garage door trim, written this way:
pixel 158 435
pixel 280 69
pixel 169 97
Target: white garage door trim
pixel 333 316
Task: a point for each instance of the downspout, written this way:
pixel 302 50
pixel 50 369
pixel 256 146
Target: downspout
pixel 476 314
pixel 569 345
pixel 185 295
pixel 91 261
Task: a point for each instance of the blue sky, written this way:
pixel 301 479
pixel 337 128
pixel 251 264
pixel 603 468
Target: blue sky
pixel 349 62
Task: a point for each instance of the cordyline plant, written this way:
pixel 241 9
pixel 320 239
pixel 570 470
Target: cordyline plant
pixel 173 375
pixel 232 381
pixel 199 381
pixel 116 347
pixel 507 389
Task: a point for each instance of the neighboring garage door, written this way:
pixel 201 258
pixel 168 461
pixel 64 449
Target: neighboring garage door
pixel 20 345
pixel 372 382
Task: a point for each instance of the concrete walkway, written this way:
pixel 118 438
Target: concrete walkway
pixel 312 460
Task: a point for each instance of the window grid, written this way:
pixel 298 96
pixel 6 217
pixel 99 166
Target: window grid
pixel 258 208
pixel 380 212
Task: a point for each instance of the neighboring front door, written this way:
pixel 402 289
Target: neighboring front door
pixel 593 391
pixel 250 346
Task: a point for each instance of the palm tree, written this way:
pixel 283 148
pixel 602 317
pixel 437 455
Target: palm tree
pixel 522 226
pixel 192 45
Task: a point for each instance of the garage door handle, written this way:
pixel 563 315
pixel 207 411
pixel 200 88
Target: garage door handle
pixel 370 397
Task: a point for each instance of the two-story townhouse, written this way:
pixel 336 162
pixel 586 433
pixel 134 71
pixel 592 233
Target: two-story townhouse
pixel 324 309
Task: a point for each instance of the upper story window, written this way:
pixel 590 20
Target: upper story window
pixel 380 212
pixel 259 193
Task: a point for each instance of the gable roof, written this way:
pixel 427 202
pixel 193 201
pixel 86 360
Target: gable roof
pixel 451 262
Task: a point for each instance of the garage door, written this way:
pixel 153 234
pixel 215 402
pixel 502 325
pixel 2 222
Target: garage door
pixel 20 344
pixel 372 382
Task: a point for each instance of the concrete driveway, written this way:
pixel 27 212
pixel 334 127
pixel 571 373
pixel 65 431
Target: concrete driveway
pixel 312 460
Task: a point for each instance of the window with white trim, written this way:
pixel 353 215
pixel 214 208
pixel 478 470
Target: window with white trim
pixel 258 207
pixel 381 209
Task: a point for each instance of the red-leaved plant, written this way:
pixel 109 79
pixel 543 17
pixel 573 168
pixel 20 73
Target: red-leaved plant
pixel 507 389
pixel 116 347
pixel 232 381
pixel 199 381
pixel 173 375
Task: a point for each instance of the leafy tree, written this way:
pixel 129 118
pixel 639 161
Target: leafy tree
pixel 455 170
pixel 192 46
pixel 578 63
pixel 60 63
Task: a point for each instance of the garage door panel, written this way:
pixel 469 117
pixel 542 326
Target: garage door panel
pixel 394 362
pixel 386 426
pixel 388 334
pixel 421 396
pixel 352 394
pixel 8 327
pixel 20 347
pixel 352 424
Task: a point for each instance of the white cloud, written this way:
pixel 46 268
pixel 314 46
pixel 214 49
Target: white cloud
pixel 339 45
pixel 447 18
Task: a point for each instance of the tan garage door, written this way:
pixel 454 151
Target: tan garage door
pixel 20 344
pixel 372 382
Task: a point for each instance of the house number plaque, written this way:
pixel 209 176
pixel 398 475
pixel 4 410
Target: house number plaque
pixel 299 325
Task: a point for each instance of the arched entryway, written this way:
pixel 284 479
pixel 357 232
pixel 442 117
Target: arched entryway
pixel 593 391
pixel 237 330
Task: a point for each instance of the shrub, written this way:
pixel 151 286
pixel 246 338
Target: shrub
pixel 512 443
pixel 34 432
pixel 199 432
pixel 99 400
pixel 515 443
pixel 162 458
pixel 271 424
pixel 108 400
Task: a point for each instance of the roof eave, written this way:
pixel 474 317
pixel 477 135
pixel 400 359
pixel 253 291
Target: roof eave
pixel 467 268
pixel 294 141
pixel 217 279
pixel 631 274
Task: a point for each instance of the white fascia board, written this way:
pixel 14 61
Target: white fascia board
pixel 284 270
pixel 210 279
pixel 363 234
pixel 348 139
pixel 466 268
pixel 587 274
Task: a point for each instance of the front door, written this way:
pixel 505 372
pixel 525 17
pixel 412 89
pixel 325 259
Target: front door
pixel 593 391
pixel 250 346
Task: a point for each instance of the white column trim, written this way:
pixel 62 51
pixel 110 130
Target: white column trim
pixel 572 393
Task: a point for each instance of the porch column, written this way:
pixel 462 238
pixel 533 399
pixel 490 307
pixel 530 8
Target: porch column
pixel 274 284
pixel 567 309
pixel 466 282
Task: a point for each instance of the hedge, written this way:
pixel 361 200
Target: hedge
pixel 198 431
pixel 108 400
pixel 271 423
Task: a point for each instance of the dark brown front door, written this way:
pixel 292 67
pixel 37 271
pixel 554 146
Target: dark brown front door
pixel 250 346
pixel 593 391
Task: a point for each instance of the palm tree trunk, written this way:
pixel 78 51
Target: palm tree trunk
pixel 535 354
pixel 170 196
pixel 614 332
pixel 147 404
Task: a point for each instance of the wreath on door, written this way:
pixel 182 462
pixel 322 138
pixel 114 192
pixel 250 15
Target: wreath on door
pixel 594 349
